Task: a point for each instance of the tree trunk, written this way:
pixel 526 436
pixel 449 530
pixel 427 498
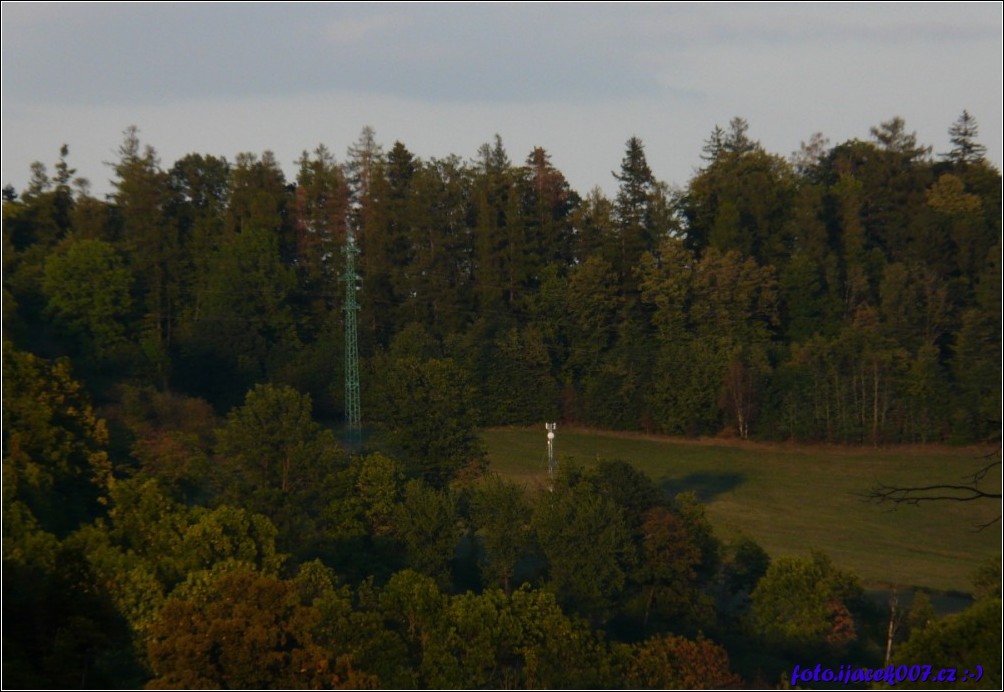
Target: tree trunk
pixel 875 402
pixel 891 632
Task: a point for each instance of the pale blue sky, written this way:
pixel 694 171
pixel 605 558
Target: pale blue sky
pixel 577 79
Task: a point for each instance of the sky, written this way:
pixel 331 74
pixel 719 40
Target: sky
pixel 578 79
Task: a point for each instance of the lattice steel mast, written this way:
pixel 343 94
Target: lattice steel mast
pixel 353 412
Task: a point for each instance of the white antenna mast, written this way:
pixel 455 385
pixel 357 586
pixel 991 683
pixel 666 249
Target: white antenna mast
pixel 551 464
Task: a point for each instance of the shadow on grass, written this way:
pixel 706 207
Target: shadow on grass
pixel 705 485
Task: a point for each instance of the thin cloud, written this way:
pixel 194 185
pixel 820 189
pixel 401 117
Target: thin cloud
pixel 354 31
pixel 443 78
pixel 452 53
pixel 458 53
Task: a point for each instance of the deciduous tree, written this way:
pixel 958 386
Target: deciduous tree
pixel 802 605
pixel 500 515
pixel 244 629
pixel 588 548
pixel 427 409
pixel 673 662
pixel 88 287
pixel 55 456
pixel 426 523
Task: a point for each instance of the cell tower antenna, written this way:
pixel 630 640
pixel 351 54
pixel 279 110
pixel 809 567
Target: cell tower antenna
pixel 353 413
pixel 552 465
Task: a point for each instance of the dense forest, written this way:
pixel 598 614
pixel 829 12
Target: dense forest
pixel 178 508
pixel 851 294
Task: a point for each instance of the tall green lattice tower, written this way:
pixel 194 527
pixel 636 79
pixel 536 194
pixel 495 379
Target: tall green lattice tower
pixel 353 412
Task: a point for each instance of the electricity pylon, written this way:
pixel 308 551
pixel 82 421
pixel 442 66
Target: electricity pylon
pixel 353 412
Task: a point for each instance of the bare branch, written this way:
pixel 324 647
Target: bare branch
pixel 993 460
pixel 928 493
pixel 990 523
pixel 942 492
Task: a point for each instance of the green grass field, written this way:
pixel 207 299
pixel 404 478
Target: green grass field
pixel 793 498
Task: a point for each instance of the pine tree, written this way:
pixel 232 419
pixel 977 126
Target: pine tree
pixel 965 148
pixel 143 196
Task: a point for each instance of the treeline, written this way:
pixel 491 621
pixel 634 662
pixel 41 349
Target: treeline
pixel 847 294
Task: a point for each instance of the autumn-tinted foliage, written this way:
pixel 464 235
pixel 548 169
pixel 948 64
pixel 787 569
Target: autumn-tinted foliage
pixel 242 629
pixel 672 662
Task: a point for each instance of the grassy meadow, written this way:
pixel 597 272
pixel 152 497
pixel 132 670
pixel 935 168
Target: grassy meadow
pixel 793 498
